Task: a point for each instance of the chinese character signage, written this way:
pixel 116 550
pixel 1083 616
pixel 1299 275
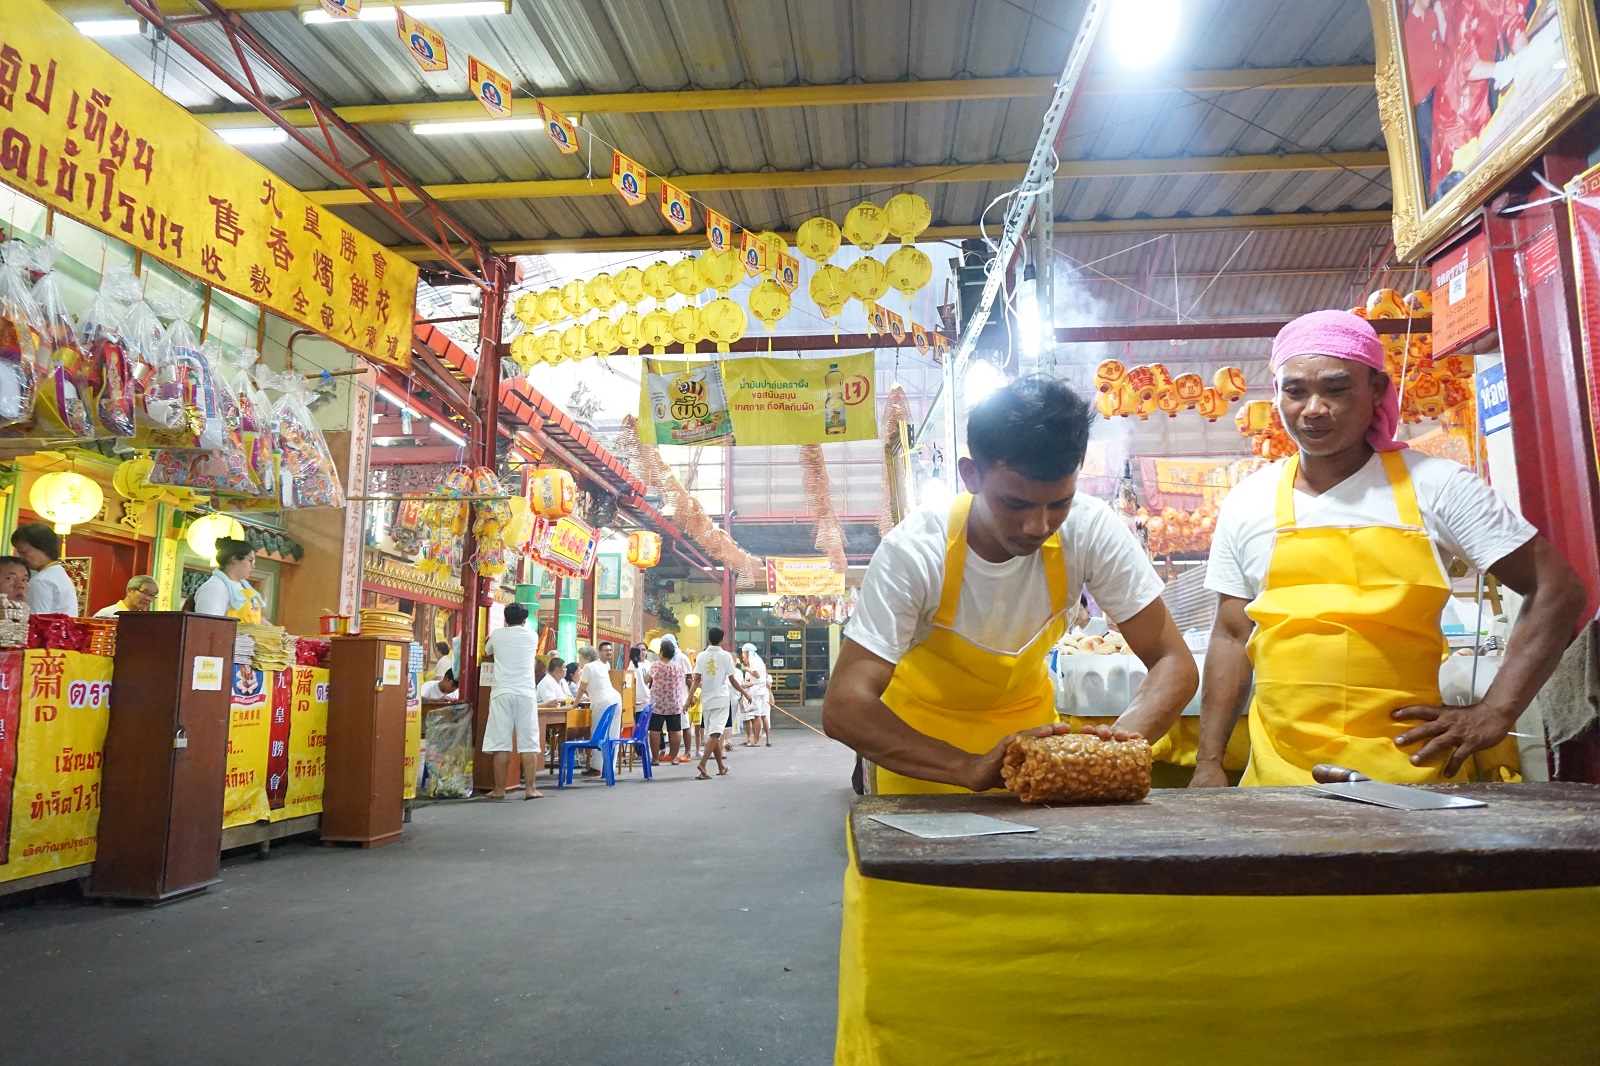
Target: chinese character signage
pixel 627 177
pixel 811 576
pixel 425 43
pixel 564 546
pixel 675 208
pixel 761 401
pixel 492 88
pixel 88 137
pixel 561 131
pixel 719 231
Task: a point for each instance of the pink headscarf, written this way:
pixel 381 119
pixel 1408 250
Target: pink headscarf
pixel 1343 336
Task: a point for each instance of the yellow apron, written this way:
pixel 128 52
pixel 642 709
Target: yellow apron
pixel 250 611
pixel 963 693
pixel 1347 631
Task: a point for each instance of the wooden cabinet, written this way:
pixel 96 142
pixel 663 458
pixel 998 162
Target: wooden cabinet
pixel 166 757
pixel 363 799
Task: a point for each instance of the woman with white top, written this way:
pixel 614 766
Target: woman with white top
pixel 227 593
pixel 594 680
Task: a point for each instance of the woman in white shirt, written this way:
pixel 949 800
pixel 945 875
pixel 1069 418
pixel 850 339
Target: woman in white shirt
pixel 227 593
pixel 50 589
pixel 594 680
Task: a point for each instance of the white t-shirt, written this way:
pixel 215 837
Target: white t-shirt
pixel 1465 517
pixel 601 692
pixel 111 611
pixel 50 591
pixel 551 690
pixel 431 691
pixel 714 665
pixel 515 649
pixel 1003 605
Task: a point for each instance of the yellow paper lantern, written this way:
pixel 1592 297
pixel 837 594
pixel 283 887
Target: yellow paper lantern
pixel 864 226
pixel 691 621
pixel 1105 403
pixel 907 215
pixel 132 480
pixel 776 246
pixel 552 493
pixel 629 285
pixel 656 329
pixel 818 239
pixel 829 289
pixel 686 279
pixel 1189 388
pixel 644 548
pixel 547 348
pixel 724 322
pixel 630 331
pixel 522 351
pixel 909 270
pixel 1229 381
pixel 602 292
pixel 720 270
pixel 521 524
pixel 601 336
pixel 1212 406
pixel 66 498
pixel 549 305
pixel 687 329
pixel 574 345
pixel 1108 375
pixel 204 532
pixel 527 309
pixel 769 302
pixel 657 280
pixel 869 280
pixel 574 299
pixel 1387 303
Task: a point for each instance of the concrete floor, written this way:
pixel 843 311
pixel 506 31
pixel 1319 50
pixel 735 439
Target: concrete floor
pixel 674 922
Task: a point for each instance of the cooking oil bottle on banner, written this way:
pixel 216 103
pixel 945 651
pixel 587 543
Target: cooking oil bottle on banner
pixel 833 402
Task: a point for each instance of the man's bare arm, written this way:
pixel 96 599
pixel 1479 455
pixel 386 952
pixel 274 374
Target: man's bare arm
pixel 1222 697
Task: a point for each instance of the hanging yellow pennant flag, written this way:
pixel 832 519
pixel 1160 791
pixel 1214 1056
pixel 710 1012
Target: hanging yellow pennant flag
pixel 342 9
pixel 675 208
pixel 897 326
pixel 919 337
pixel 787 272
pixel 561 131
pixel 753 254
pixel 492 88
pixel 719 231
pixel 628 178
pixel 425 43
pixel 941 348
pixel 877 321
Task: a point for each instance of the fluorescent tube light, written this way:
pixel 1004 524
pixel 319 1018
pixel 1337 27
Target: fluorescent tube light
pixel 109 27
pixel 485 125
pixel 449 434
pixel 426 12
pixel 254 135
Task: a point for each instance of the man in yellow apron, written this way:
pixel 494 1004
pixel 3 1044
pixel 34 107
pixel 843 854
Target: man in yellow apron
pixel 944 656
pixel 1330 569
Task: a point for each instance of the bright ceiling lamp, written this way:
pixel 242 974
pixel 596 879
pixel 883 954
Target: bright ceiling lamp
pixel 426 12
pixel 262 135
pixel 982 378
pixel 1030 327
pixel 108 27
pixel 484 125
pixel 1142 31
pixel 449 434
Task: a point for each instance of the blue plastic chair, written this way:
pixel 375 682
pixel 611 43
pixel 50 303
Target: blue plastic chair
pixel 639 738
pixel 597 742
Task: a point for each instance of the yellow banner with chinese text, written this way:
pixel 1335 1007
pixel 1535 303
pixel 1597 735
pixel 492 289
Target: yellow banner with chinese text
pixel 86 136
pixel 249 732
pixel 803 577
pixel 308 743
pixel 413 732
pixel 61 736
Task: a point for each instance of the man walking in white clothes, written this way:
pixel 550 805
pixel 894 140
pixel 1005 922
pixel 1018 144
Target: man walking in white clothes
pixel 715 675
pixel 513 714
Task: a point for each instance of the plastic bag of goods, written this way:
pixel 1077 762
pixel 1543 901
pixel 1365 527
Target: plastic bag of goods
pixel 226 470
pixel 240 371
pixel 309 478
pixel 144 333
pixel 448 769
pixel 183 375
pixel 20 332
pixel 100 332
pixel 67 375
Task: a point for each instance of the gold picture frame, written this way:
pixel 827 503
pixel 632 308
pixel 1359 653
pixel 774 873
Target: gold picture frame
pixel 1479 131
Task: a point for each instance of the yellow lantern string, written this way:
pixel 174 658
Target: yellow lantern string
pixel 906 215
pixel 686 277
pixel 865 227
pixel 724 322
pixel 574 299
pixel 574 345
pixel 630 331
pixel 601 336
pixel 549 304
pixel 602 292
pixel 527 309
pixel 687 328
pixel 720 270
pixel 655 329
pixel 629 285
pixel 657 281
pixel 547 348
pixel 817 239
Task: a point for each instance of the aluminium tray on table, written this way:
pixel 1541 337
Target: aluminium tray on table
pixel 1250 841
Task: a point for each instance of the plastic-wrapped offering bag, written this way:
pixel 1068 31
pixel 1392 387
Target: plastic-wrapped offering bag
pixel 239 371
pixel 225 469
pixel 20 333
pixel 309 476
pixel 144 334
pixel 184 375
pixel 69 373
pixel 100 333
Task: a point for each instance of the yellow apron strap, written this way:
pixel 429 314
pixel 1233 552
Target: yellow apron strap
pixel 1055 573
pixel 1285 509
pixel 1405 494
pixel 955 562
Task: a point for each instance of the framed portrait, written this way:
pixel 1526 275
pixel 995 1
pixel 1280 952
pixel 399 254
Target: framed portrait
pixel 1469 92
pixel 608 575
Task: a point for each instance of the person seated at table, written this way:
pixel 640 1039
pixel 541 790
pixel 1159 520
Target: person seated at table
pixel 50 589
pixel 439 689
pixel 552 689
pixel 14 581
pixel 142 592
pixel 594 682
pixel 569 679
pixel 444 664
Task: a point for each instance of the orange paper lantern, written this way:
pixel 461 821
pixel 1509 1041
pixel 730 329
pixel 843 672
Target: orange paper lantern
pixel 552 493
pixel 1387 303
pixel 1142 380
pixel 1105 403
pixel 1229 381
pixel 1255 418
pixel 644 548
pixel 1108 375
pixel 1188 388
pixel 1211 406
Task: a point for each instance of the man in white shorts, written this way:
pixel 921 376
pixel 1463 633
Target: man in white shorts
pixel 513 711
pixel 714 675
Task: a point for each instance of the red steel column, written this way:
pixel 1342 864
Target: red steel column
pixel 481 452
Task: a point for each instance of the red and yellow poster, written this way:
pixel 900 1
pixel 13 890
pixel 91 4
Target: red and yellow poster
pixel 308 742
pixel 278 740
pixel 897 326
pixel 676 208
pixel 61 736
pixel 719 231
pixel 10 706
pixel 561 131
pixel 920 338
pixel 249 739
pixel 628 178
pixel 83 134
pixel 413 731
pixel 492 88
pixel 425 43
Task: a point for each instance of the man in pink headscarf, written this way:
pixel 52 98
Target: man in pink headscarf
pixel 1331 574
